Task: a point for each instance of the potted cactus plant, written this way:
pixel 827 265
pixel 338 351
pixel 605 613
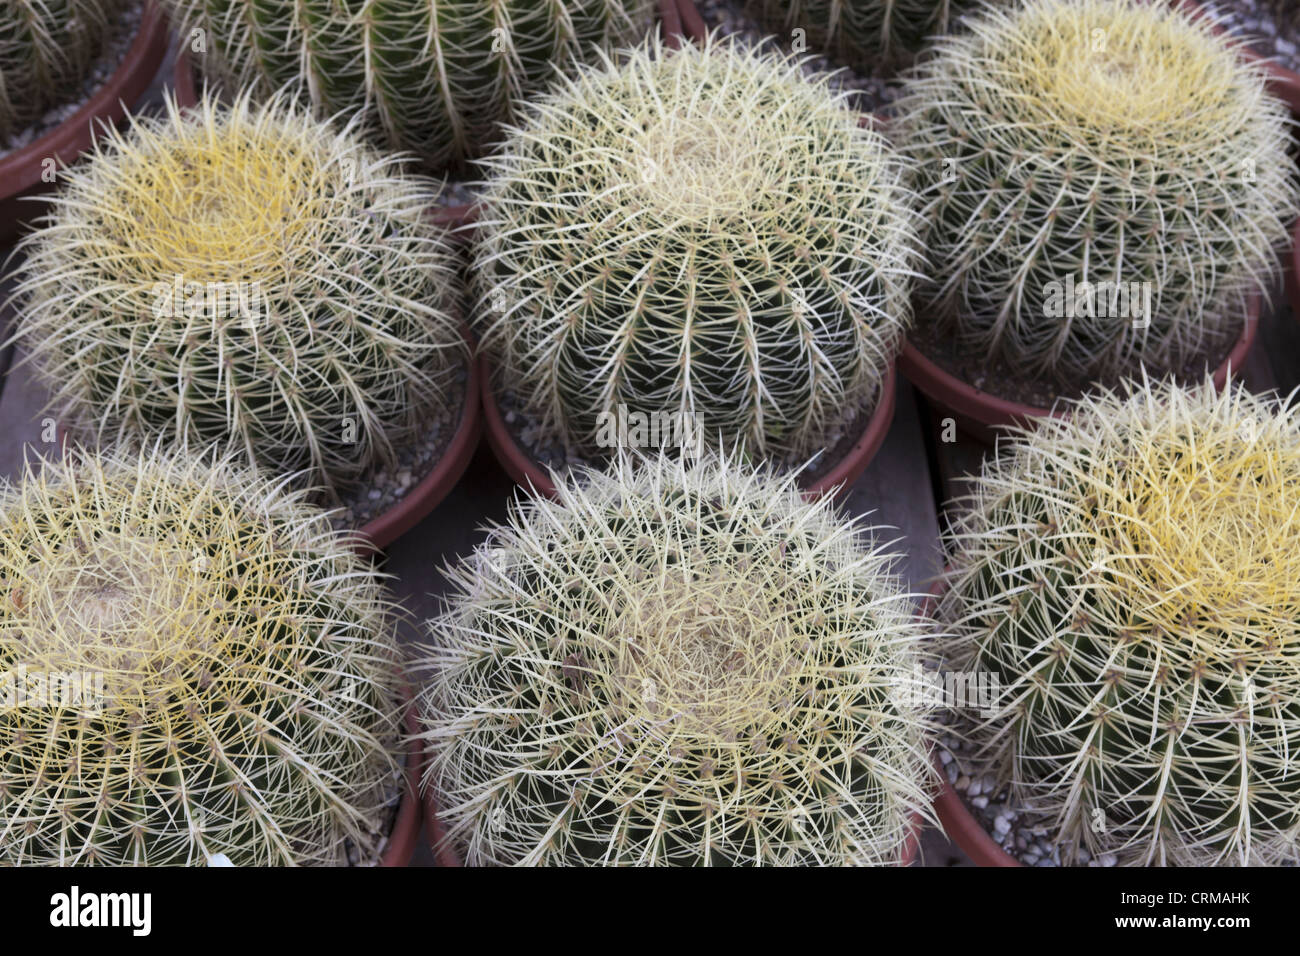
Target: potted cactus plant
pixel 708 237
pixel 197 665
pixel 1105 184
pixel 251 276
pixel 1128 578
pixel 48 56
pixel 675 664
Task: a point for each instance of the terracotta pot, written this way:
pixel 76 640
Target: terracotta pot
pixel 21 170
pixel 1285 85
pixel 912 845
pixel 387 527
pixel 531 474
pixel 406 826
pixel 979 413
pixel 959 824
pixel 443 853
pixel 183 86
pixel 965 831
pixel 692 24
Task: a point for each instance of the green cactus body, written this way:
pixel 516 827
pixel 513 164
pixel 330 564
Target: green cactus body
pixel 192 663
pixel 861 33
pixel 46 47
pixel 247 276
pixel 676 665
pixel 432 78
pixel 1130 578
pixel 1113 146
pixel 706 234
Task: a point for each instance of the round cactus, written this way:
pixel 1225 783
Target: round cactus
pixel 861 33
pixel 46 47
pixel 676 665
pixel 1132 578
pixel 191 662
pixel 1105 182
pixel 432 78
pixel 707 234
pixel 245 275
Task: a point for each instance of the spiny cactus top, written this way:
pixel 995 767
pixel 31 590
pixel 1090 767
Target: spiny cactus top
pixel 192 662
pixel 1132 576
pixel 432 78
pixel 861 33
pixel 245 274
pixel 676 665
pixel 1105 180
pixel 706 233
pixel 46 47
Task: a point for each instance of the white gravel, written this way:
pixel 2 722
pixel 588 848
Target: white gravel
pixel 1022 833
